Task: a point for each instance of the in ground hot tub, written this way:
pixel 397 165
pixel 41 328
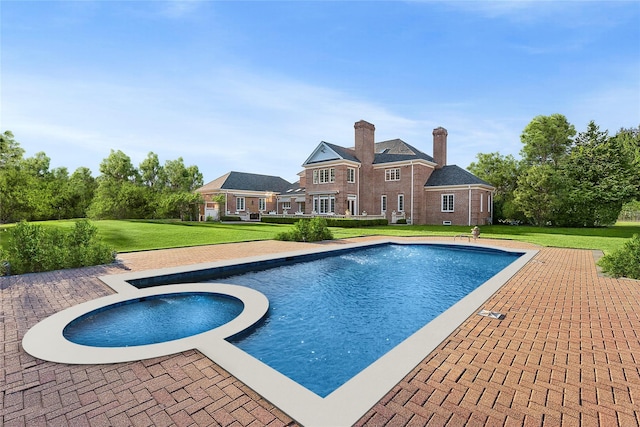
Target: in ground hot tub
pixel 150 323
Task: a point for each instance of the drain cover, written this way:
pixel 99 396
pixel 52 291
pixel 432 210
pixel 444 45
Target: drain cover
pixel 491 314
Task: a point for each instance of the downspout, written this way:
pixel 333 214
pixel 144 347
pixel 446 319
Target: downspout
pixel 469 205
pixel 412 221
pixel 358 192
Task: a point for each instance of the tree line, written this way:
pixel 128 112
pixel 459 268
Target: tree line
pixel 31 191
pixel 564 177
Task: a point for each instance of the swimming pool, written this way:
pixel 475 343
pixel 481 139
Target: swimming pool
pixel 331 317
pixel 343 406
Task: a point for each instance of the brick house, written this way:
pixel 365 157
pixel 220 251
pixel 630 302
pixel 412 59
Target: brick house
pixel 391 179
pixel 244 194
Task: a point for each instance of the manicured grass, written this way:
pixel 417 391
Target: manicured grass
pixel 605 239
pixel 129 236
pixel 136 235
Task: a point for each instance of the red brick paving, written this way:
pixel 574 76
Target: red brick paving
pixel 567 353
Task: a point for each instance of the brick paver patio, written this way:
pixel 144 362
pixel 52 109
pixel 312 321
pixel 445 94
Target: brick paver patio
pixel 567 353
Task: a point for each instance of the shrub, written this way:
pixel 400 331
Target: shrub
pixel 624 262
pixel 230 218
pixel 305 230
pixel 331 222
pixel 34 248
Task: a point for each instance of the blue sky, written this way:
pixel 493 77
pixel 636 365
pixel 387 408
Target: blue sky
pixel 255 86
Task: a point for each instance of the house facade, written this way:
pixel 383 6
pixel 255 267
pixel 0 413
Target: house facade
pixel 390 179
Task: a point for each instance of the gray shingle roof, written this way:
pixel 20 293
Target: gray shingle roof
pixel 248 182
pixel 397 150
pixel 453 175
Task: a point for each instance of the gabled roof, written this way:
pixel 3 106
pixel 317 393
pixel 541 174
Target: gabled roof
pixel 325 152
pixel 246 181
pixel 396 150
pixel 453 175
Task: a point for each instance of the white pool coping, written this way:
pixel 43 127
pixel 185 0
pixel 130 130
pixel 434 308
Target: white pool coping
pixel 343 407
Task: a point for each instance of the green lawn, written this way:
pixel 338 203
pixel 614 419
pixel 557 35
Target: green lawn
pixel 136 235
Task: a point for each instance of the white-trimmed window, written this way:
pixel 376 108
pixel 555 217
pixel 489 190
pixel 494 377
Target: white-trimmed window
pixel 324 204
pixel 351 175
pixel 383 203
pixel 239 204
pixel 400 202
pixel 323 176
pixel 481 202
pixel 286 205
pixel 447 202
pixel 262 204
pixel 392 174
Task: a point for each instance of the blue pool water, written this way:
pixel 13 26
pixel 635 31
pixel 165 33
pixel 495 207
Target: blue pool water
pixel 153 320
pixel 331 318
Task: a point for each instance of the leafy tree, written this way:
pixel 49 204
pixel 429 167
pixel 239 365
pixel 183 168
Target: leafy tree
pixel 180 204
pixel 629 139
pixel 152 173
pixel 598 178
pixel 12 178
pixel 10 151
pixel 181 178
pixel 119 194
pixel 117 167
pixel 539 193
pixel 547 140
pixel 82 187
pixel 502 172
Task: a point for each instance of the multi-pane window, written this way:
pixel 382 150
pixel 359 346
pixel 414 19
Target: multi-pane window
pixel 351 175
pixel 323 176
pixel 239 204
pixel 447 203
pixel 392 174
pixel 324 204
pixel 400 202
pixel 286 205
pixel 262 204
pixel 383 203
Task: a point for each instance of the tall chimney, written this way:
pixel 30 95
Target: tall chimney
pixel 365 134
pixel 365 152
pixel 440 146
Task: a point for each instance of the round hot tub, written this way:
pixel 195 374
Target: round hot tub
pixel 147 323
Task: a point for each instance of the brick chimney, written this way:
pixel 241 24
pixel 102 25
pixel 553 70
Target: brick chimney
pixel 365 152
pixel 365 134
pixel 440 146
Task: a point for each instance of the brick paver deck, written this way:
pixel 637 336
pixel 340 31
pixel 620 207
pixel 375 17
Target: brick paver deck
pixel 567 353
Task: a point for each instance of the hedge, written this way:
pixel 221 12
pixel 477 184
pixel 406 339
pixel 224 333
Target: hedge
pixel 331 222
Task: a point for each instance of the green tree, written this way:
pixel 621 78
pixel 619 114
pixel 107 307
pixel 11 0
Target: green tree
pixel 119 194
pixel 502 172
pixel 152 173
pixel 82 187
pixel 629 139
pixel 599 179
pixel 539 193
pixel 12 179
pixel 547 140
pixel 182 178
pixel 10 151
